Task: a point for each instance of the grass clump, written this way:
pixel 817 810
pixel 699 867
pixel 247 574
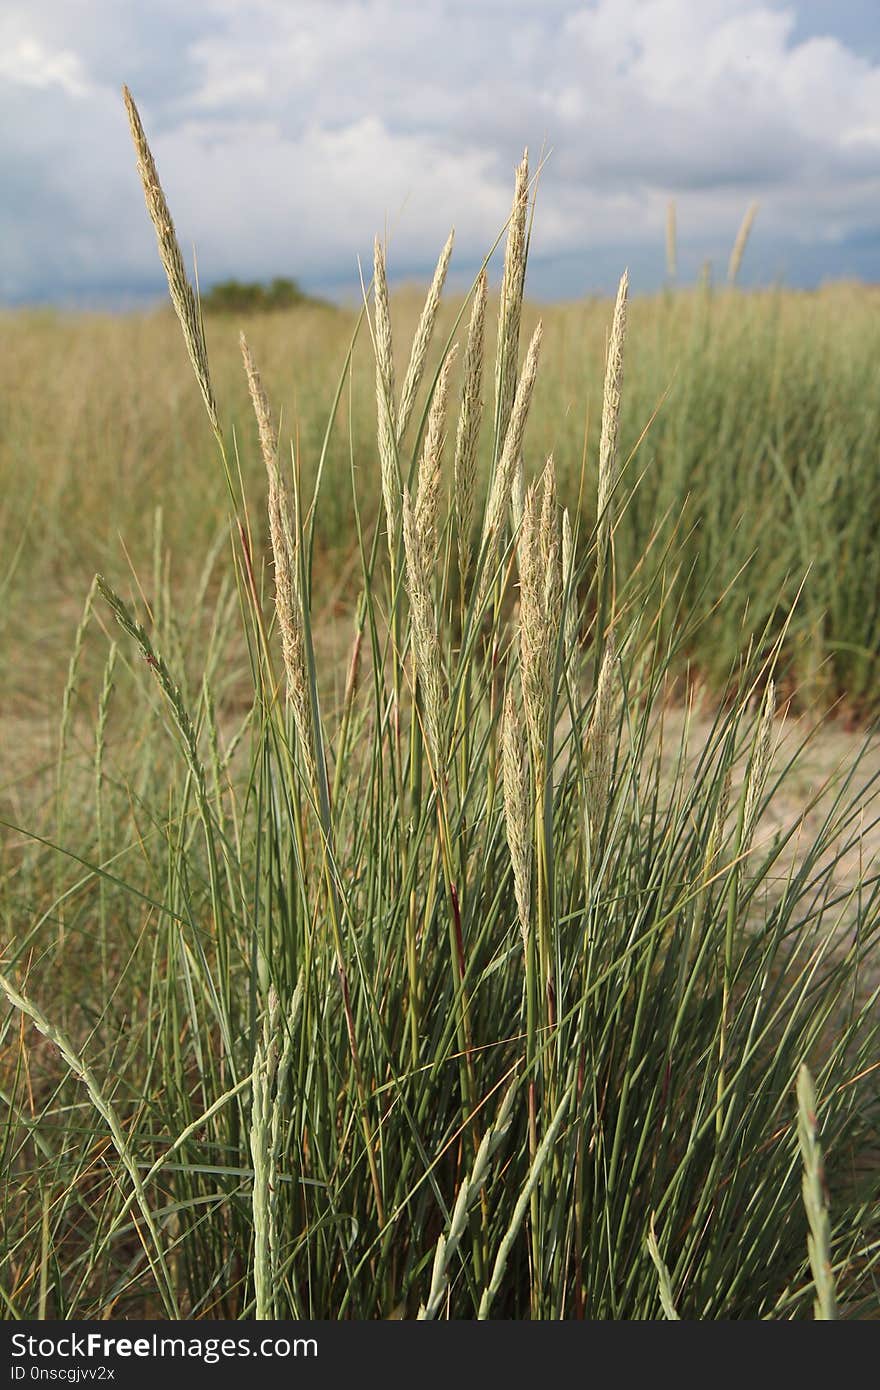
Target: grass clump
pixel 444 991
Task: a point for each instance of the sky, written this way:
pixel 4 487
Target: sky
pixel 288 132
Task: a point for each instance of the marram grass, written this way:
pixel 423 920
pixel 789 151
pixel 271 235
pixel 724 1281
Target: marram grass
pixel 758 467
pixel 815 1199
pixel 436 988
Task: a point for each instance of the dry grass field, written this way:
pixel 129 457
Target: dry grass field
pixel 438 842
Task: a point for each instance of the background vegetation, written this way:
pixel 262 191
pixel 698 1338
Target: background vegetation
pixel 253 297
pixel 760 457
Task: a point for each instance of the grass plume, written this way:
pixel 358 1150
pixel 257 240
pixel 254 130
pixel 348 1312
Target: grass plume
pixel 182 295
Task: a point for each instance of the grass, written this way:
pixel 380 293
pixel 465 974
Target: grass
pixel 760 456
pixel 435 979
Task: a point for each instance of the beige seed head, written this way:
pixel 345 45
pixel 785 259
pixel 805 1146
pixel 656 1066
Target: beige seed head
pixel 518 494
pixel 468 431
pixel 551 545
pixel 739 246
pixel 549 510
pixel 285 555
pixel 570 634
pixel 502 483
pixel 384 350
pixel 510 308
pixel 422 339
pixel 428 495
pixel 388 463
pixel 608 472
pixel 540 602
pixel 425 643
pixel 182 296
pixel 531 621
pixel 260 402
pixel 517 809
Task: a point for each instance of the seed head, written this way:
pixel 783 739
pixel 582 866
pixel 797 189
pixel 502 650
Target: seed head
pixel 182 296
pixel 510 308
pixel 422 339
pixel 608 464
pixel 468 432
pixel 517 808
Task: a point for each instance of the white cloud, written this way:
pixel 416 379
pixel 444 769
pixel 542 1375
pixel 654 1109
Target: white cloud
pixel 315 199
pixel 287 134
pixel 26 62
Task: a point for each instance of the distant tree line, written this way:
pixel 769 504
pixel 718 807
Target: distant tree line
pixel 251 297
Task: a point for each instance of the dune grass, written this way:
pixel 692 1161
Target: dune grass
pixel 432 983
pixel 760 456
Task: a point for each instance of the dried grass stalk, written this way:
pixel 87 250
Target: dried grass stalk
pixel 425 642
pixel 739 246
pixel 167 684
pixel 428 494
pixel 468 431
pixel 387 437
pixel 510 307
pixel 608 444
pixel 285 554
pixel 518 809
pixel 384 348
pixel 570 630
pixel 550 535
pixel 518 495
pixel 422 340
pixel 540 603
pixel 502 483
pixel 182 296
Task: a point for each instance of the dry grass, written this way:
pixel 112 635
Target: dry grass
pixel 448 989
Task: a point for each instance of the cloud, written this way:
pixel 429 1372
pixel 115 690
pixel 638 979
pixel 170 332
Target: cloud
pixel 287 134
pixel 29 64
